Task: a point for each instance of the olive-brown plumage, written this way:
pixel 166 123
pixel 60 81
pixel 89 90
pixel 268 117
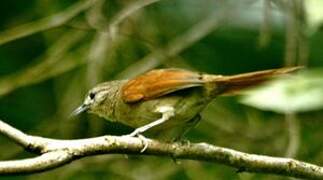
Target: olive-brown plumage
pixel 152 95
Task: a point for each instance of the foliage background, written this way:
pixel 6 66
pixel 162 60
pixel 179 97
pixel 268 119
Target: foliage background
pixel 45 74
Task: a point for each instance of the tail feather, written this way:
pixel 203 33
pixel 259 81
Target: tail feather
pixel 231 84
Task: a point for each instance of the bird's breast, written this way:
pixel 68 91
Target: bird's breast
pixel 186 103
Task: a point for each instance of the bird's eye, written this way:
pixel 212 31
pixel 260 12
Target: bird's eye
pixel 91 95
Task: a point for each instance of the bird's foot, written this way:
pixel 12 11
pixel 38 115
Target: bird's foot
pixel 184 142
pixel 144 140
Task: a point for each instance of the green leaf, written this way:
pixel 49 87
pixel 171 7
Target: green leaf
pixel 314 14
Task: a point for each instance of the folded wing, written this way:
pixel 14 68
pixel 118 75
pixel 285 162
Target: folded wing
pixel 159 82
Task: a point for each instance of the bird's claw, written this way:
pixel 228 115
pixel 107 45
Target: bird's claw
pixel 143 139
pixel 185 142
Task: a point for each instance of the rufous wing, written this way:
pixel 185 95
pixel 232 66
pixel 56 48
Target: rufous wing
pixel 159 82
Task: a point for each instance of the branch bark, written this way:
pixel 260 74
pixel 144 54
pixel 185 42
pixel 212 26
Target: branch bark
pixel 53 153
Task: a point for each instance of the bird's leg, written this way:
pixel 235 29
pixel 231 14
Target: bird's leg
pixel 166 111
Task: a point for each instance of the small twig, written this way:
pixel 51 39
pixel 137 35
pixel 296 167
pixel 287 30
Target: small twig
pixel 303 44
pixel 293 134
pixel 45 23
pixel 174 47
pixel 55 153
pixel 296 48
pixel 53 63
pixel 130 10
pixel 106 37
pixel 291 35
pixel 265 27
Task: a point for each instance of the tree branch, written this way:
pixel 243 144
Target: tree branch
pixel 54 153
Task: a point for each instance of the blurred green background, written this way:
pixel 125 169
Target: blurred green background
pixel 52 52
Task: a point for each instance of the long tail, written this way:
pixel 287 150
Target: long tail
pixel 228 85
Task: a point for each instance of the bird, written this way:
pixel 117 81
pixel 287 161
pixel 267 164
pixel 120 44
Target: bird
pixel 164 104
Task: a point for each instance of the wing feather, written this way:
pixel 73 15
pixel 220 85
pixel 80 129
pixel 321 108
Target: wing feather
pixel 159 82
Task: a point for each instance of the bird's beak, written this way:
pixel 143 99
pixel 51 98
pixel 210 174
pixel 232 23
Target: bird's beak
pixel 79 110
